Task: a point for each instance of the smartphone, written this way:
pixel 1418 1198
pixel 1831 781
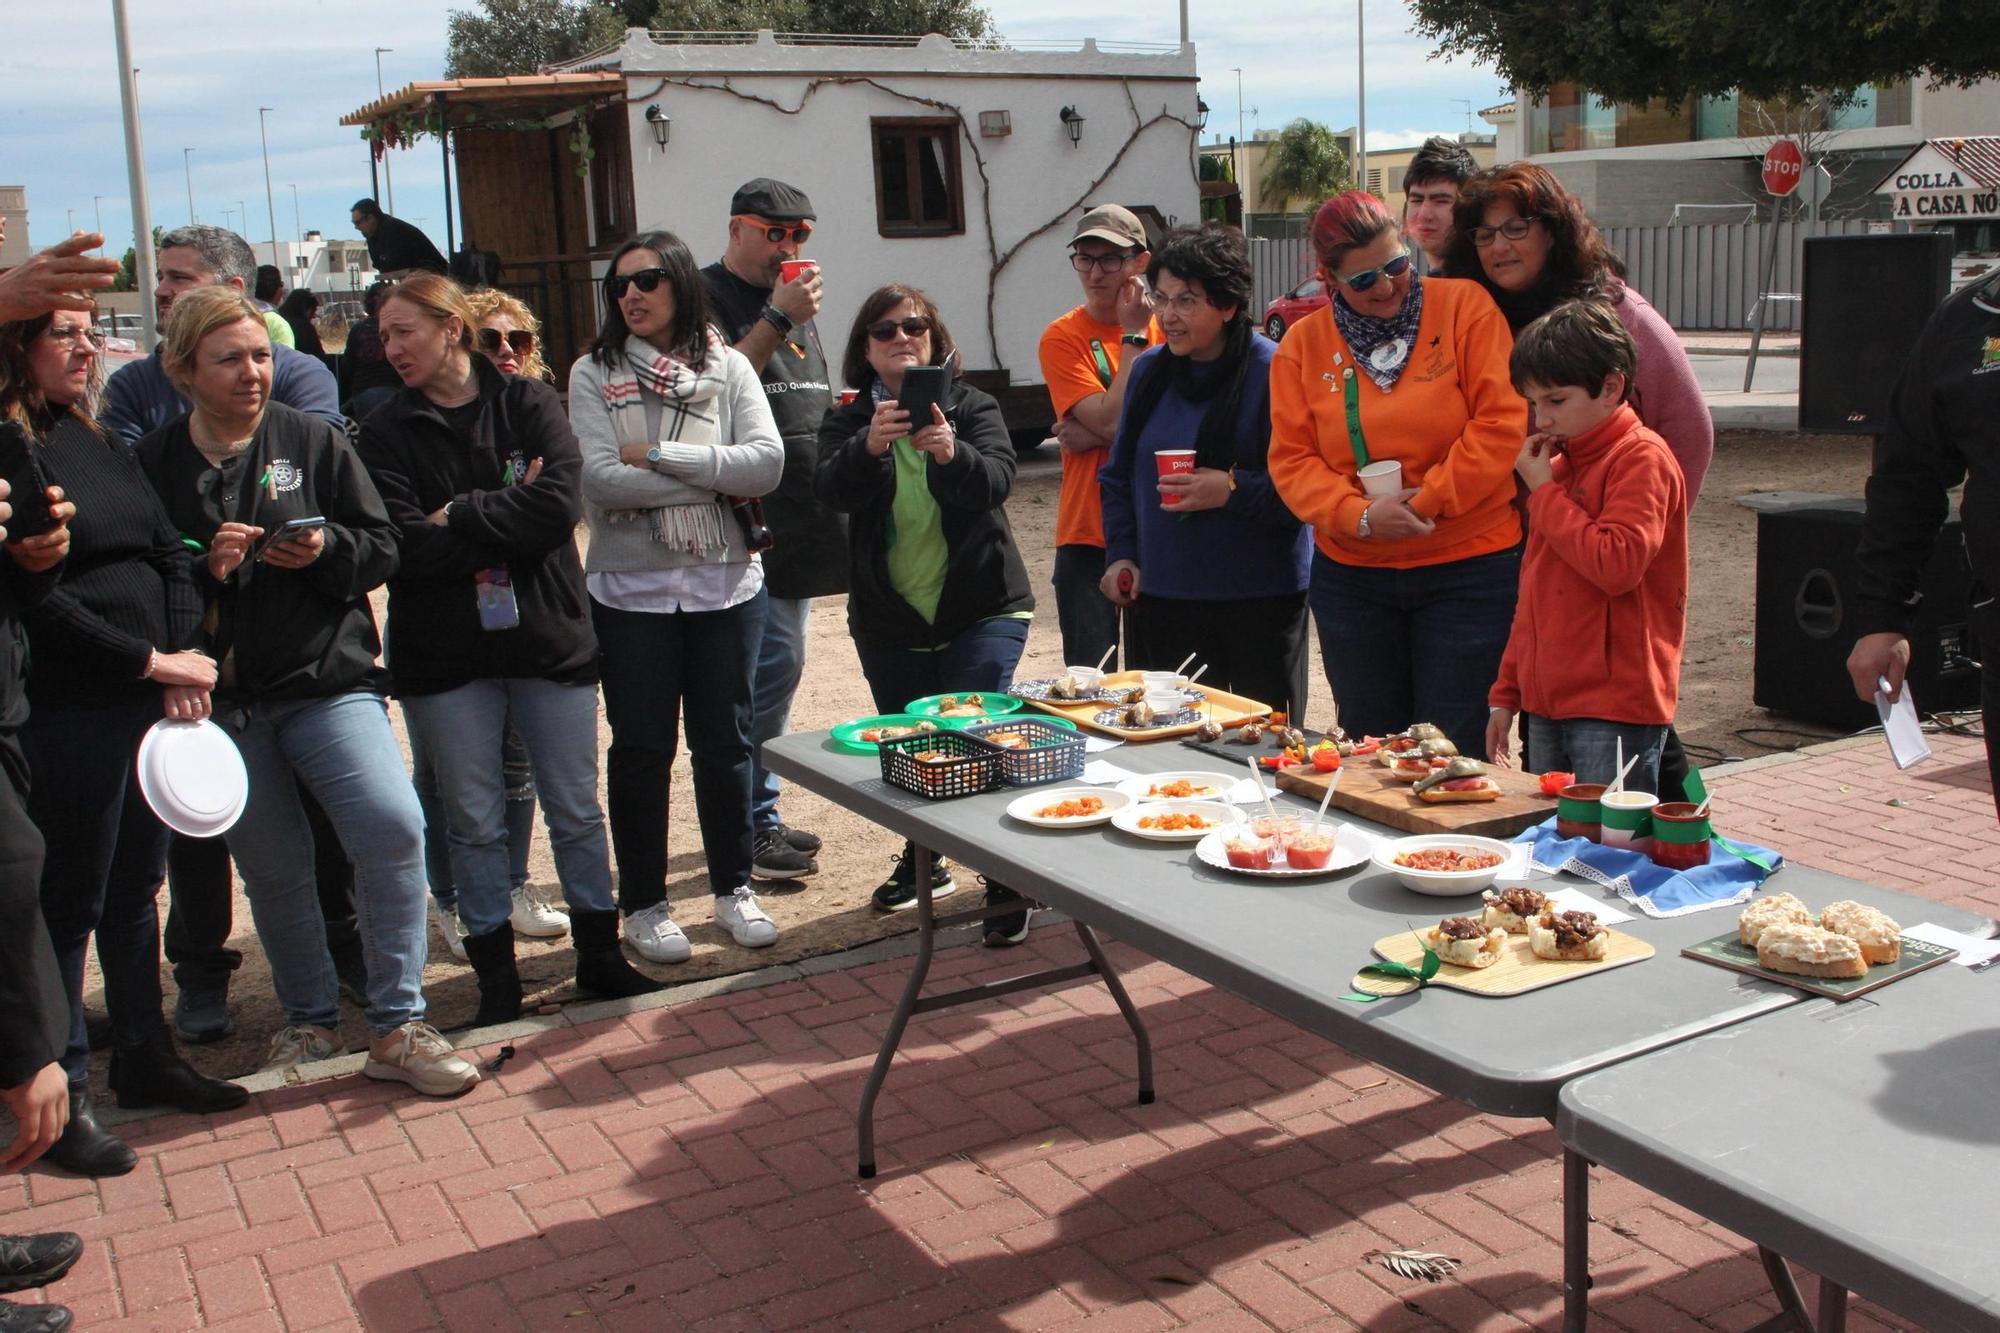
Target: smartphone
pixel 922 386
pixel 494 589
pixel 28 488
pixel 285 532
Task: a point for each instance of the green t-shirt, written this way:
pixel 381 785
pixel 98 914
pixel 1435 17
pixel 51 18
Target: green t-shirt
pixel 918 556
pixel 280 331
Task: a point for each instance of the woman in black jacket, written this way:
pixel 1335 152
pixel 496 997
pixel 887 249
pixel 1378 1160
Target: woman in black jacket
pixel 112 648
pixel 939 597
pixel 488 622
pixel 299 688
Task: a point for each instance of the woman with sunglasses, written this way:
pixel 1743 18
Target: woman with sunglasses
pixel 1527 240
pixel 674 426
pixel 940 597
pixel 508 334
pixel 1414 581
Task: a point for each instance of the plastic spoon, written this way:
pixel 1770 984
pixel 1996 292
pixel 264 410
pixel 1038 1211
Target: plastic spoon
pixel 1182 668
pixel 1270 810
pixel 1618 783
pixel 1107 656
pixel 1332 784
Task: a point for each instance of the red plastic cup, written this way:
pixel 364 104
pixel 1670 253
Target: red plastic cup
pixel 1173 462
pixel 848 395
pixel 789 269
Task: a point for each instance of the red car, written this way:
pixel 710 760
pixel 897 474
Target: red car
pixel 1292 307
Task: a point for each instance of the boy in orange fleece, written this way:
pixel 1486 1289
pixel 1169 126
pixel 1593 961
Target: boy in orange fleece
pixel 1594 658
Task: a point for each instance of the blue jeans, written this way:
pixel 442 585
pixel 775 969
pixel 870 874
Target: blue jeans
pixel 1087 618
pixel 464 730
pixel 519 776
pixel 341 748
pixel 781 660
pixel 981 658
pixel 1588 747
pixel 1415 645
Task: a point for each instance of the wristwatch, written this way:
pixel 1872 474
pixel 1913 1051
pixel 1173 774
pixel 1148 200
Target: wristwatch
pixel 653 455
pixel 1133 339
pixel 776 318
pixel 1362 528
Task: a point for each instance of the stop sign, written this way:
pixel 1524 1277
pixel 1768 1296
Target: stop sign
pixel 1784 167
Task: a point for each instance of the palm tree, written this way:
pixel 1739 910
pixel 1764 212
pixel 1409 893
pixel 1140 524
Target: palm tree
pixel 1304 162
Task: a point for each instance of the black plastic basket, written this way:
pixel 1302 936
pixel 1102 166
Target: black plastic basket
pixel 1054 754
pixel 973 767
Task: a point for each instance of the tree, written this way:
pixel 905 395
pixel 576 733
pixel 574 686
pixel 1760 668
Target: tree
pixel 520 36
pixel 895 18
pixel 1303 162
pixel 127 278
pixel 1637 50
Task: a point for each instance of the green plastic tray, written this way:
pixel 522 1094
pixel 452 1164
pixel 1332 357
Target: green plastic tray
pixel 998 704
pixel 844 735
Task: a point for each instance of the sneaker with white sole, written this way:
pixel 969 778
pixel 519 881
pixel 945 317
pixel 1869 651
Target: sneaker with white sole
pixel 302 1043
pixel 418 1054
pixel 452 928
pixel 534 918
pixel 743 917
pixel 654 936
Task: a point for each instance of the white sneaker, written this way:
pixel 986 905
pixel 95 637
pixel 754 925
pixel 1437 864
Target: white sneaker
pixel 453 930
pixel 653 935
pixel 303 1044
pixel 744 917
pixel 419 1055
pixel 534 918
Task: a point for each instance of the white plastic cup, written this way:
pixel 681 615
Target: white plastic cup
pixel 1384 478
pixel 1166 702
pixel 1087 676
pixel 1162 680
pixel 1628 819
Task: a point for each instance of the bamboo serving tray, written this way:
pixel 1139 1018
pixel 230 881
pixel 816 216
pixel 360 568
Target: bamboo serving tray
pixel 1517 972
pixel 1220 705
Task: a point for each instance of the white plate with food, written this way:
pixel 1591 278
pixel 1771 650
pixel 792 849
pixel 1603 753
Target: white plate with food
pixel 1175 821
pixel 1192 785
pixel 1342 845
pixel 1445 865
pixel 1068 807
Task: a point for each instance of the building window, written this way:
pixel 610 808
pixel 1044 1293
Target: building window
pixel 918 189
pixel 611 176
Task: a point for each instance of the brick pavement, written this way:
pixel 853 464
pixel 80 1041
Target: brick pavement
pixel 691 1166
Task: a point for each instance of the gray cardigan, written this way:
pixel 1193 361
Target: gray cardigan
pixel 749 462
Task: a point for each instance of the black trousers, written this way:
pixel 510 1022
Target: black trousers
pixel 34 1010
pixel 1254 646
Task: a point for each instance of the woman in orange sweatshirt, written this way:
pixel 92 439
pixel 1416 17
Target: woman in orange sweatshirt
pixel 1413 582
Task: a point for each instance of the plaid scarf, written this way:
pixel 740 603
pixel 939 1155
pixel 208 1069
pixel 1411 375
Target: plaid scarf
pixel 1382 347
pixel 689 415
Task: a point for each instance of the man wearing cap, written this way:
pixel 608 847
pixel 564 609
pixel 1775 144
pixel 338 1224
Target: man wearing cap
pixel 770 321
pixel 1084 365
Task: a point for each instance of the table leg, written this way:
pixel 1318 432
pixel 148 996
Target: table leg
pixel 1791 1316
pixel 1576 1242
pixel 1832 1306
pixel 1125 1007
pixel 899 1018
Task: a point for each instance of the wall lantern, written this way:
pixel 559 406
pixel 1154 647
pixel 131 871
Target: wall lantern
pixel 1200 115
pixel 1073 123
pixel 995 125
pixel 662 123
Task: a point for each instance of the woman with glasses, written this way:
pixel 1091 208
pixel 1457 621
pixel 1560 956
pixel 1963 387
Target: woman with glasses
pixel 939 596
pixel 1210 562
pixel 113 649
pixel 674 427
pixel 1414 580
pixel 1527 240
pixel 508 334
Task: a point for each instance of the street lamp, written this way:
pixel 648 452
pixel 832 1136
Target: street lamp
pixel 187 156
pixel 297 226
pixel 270 201
pixel 388 177
pixel 97 202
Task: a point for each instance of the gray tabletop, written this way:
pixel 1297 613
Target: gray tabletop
pixel 1293 947
pixel 1876 1122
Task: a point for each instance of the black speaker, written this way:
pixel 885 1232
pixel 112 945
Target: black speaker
pixel 1806 572
pixel 1865 301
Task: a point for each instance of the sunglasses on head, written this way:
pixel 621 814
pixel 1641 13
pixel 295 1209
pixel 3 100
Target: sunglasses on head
pixel 646 280
pixel 916 326
pixel 1362 281
pixel 522 341
pixel 797 232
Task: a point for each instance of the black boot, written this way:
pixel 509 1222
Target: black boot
pixel 154 1074
pixel 37 1260
pixel 87 1148
pixel 492 958
pixel 601 968
pixel 34 1318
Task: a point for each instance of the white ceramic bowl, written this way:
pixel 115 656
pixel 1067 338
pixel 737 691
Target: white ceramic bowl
pixel 1443 883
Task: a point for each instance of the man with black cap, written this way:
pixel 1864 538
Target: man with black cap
pixel 769 318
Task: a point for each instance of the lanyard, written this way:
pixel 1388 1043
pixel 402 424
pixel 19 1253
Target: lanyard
pixel 1350 389
pixel 1105 374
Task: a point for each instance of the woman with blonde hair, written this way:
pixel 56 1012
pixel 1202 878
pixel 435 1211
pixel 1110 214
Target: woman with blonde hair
pixel 487 624
pixel 508 333
pixel 295 539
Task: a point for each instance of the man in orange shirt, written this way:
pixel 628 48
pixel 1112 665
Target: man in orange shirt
pixel 1084 365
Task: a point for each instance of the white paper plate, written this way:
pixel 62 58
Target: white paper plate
pixel 1219 785
pixel 1444 883
pixel 1216 812
pixel 1351 847
pixel 193 776
pixel 1024 807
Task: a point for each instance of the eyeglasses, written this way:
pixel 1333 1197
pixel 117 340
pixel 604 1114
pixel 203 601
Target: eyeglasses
pixel 1362 281
pixel 1513 229
pixel 71 336
pixel 798 232
pixel 916 326
pixel 646 280
pixel 1104 263
pixel 522 341
pixel 1185 303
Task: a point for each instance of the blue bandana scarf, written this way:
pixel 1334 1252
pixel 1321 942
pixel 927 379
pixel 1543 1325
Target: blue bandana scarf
pixel 1382 347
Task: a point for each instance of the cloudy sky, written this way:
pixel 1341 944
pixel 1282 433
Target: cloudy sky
pixel 207 65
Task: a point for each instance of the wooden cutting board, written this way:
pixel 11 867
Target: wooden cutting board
pixel 1221 705
pixel 1368 789
pixel 1517 971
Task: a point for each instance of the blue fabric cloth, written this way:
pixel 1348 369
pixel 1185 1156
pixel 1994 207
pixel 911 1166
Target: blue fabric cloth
pixel 1726 879
pixel 1250 547
pixel 139 398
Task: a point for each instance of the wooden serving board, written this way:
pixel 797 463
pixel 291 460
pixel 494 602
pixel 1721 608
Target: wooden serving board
pixel 1221 705
pixel 1368 789
pixel 1517 971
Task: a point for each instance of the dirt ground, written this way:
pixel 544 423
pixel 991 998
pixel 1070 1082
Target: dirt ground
pixel 831 910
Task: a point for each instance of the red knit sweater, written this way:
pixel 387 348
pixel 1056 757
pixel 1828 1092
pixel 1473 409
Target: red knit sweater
pixel 1603 603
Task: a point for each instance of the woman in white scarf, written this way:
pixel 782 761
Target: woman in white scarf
pixel 674 428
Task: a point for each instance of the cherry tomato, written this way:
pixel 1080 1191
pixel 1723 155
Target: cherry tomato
pixel 1326 760
pixel 1553 783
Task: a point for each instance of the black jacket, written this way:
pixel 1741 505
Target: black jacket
pixel 1944 428
pixel 293 633
pixel 398 245
pixel 420 462
pixel 985 577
